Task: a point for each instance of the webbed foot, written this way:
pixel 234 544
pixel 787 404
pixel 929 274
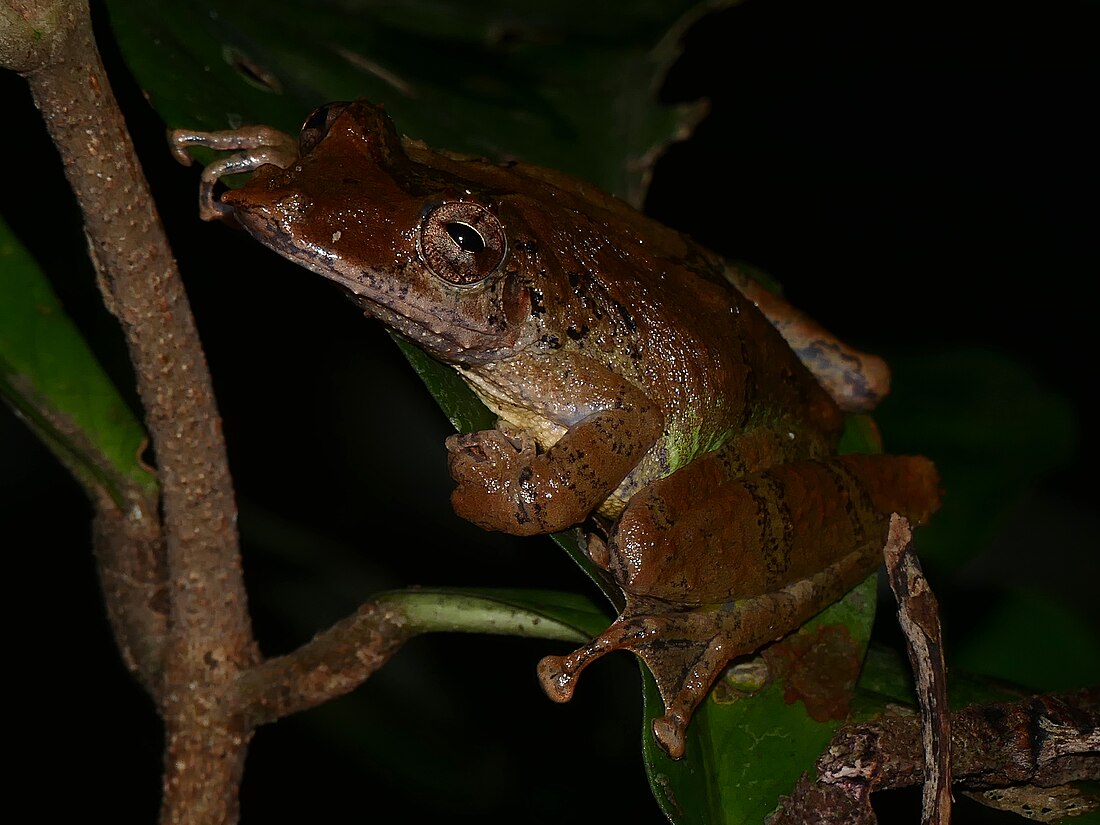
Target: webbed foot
pixel 687 648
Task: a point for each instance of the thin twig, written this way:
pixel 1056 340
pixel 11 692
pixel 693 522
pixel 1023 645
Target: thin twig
pixel 919 617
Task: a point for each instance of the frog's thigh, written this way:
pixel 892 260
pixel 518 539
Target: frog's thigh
pixel 856 380
pixel 699 538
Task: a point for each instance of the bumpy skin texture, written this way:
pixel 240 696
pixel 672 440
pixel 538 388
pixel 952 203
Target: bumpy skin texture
pixel 632 382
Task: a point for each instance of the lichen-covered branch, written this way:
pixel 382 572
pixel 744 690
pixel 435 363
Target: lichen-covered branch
pixel 1046 741
pixel 1043 740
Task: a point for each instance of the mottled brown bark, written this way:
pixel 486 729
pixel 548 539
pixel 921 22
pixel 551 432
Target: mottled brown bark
pixel 332 664
pixel 209 638
pixel 1045 741
pixel 817 803
pixel 919 618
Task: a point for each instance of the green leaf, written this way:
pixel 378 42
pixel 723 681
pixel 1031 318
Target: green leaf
pixel 466 412
pixel 571 86
pixel 887 678
pixel 544 614
pixel 52 380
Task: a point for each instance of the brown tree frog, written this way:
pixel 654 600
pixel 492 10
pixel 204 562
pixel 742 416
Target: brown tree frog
pixel 644 388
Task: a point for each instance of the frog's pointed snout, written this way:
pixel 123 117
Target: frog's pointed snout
pixel 217 203
pixel 267 192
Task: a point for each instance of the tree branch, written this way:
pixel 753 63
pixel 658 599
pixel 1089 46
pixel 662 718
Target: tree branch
pixel 209 634
pixel 1047 741
pixel 335 662
pixel 129 551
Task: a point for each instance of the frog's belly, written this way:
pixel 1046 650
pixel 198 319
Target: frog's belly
pixel 515 409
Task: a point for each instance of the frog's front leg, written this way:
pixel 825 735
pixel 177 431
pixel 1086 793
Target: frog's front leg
pixel 739 563
pixel 590 441
pixel 262 146
pixel 506 483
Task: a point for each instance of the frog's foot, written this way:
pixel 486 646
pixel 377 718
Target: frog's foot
pixel 686 648
pixel 559 674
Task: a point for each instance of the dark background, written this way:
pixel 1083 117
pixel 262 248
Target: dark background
pixel 919 178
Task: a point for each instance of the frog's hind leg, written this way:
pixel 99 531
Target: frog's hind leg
pixel 683 668
pixel 710 578
pixel 687 648
pixel 684 648
pixel 643 623
pixel 738 629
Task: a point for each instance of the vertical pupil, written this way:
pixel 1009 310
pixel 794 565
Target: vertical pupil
pixel 466 237
pixel 319 118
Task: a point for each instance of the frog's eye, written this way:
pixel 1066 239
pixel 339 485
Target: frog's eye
pixel 318 124
pixel 461 242
pixel 465 236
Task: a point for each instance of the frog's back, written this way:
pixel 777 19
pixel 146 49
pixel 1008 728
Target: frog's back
pixel 676 324
pixel 653 306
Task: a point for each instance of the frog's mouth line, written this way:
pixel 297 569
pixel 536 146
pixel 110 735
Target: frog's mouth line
pixel 445 335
